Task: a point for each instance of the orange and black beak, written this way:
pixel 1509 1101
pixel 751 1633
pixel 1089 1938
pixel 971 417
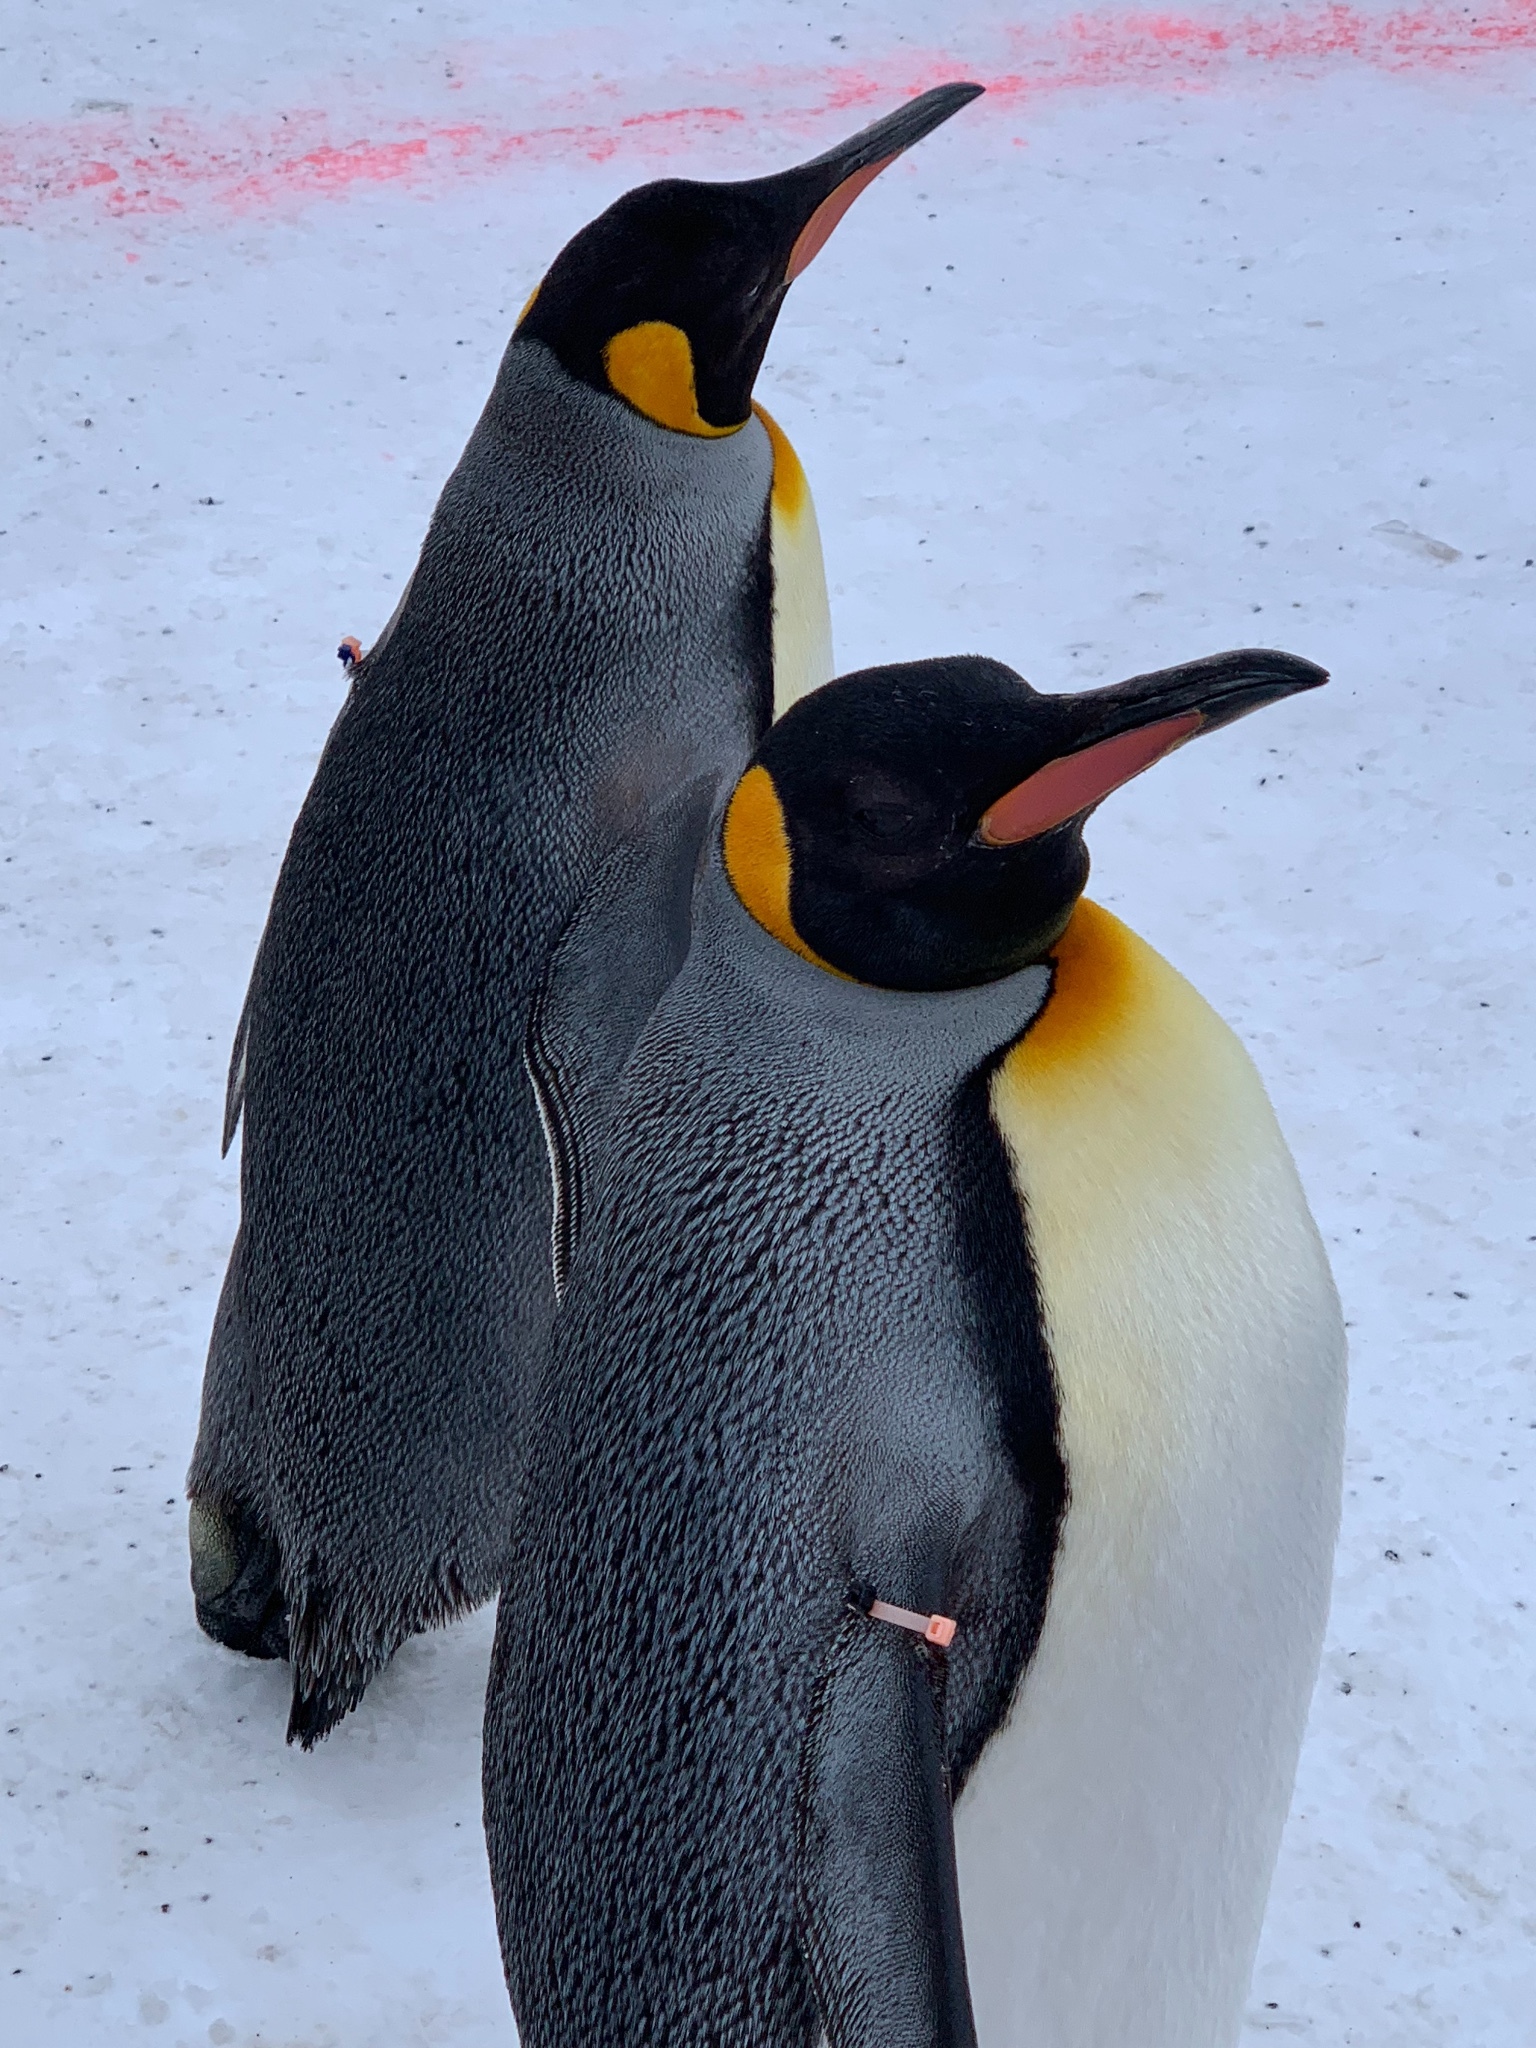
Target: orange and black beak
pixel 1112 735
pixel 921 826
pixel 814 196
pixel 669 298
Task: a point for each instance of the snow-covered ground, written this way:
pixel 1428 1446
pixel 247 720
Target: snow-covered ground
pixel 1178 341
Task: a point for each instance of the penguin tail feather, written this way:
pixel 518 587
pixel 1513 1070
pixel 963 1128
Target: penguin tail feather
pixel 313 1714
pixel 333 1667
pixel 329 1676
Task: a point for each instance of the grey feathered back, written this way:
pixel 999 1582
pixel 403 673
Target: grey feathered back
pixel 587 629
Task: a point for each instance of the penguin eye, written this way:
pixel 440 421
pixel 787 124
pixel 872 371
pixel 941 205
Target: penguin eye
pixel 883 822
pixel 884 814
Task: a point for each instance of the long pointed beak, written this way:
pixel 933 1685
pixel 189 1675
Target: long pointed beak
pixel 814 196
pixel 1111 735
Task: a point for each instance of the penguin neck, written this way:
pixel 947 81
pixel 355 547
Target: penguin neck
pixel 590 614
pixel 599 447
pixel 971 1025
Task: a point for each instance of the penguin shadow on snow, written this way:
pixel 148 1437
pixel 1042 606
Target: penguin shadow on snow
pixel 621 584
pixel 921 1556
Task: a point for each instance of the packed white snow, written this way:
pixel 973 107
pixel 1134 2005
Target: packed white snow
pixel 1094 381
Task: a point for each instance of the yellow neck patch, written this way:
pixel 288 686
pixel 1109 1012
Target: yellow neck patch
pixel 1124 1043
pixel 755 844
pixel 652 366
pixel 1100 964
pixel 791 492
pixel 802 622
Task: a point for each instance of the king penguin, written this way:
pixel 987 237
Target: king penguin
pixel 924 1544
pixel 620 584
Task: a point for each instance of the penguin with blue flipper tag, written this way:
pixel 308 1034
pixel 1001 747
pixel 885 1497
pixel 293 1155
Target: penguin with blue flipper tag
pixel 621 583
pixel 923 1545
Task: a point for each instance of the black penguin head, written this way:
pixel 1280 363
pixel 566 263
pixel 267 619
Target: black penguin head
pixel 668 298
pixel 921 826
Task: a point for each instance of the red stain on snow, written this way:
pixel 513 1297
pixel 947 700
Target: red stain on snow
pixel 1156 47
pixel 171 161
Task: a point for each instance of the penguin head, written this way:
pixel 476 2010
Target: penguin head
pixel 921 826
pixel 668 299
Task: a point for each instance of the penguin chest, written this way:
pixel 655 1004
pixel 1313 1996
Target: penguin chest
pixel 802 619
pixel 1117 1837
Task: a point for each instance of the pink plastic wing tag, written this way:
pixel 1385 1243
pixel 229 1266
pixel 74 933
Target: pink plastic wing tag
pixel 937 1629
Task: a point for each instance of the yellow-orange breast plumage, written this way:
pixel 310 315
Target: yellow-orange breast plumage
pixel 1117 1839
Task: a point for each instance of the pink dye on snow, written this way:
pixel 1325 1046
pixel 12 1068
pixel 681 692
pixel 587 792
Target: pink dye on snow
pixel 167 162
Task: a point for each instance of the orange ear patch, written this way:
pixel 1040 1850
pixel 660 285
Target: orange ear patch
pixel 652 366
pixel 1062 788
pixel 755 844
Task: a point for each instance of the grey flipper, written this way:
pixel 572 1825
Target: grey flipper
pixel 621 949
pixel 879 1902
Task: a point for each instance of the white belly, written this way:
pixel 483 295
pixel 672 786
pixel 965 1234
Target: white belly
pixel 1117 1839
